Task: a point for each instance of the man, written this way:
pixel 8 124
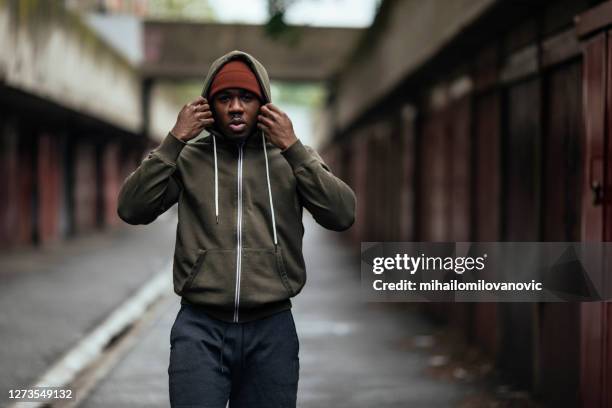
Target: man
pixel 238 252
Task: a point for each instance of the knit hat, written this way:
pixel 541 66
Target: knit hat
pixel 235 74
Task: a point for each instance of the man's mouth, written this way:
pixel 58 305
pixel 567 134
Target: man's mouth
pixel 237 126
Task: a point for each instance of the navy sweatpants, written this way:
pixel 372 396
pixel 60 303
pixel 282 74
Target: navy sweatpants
pixel 253 364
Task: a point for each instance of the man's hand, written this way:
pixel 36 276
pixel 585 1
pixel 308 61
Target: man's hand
pixel 192 119
pixel 277 126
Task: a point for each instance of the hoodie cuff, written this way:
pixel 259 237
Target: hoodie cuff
pixel 170 148
pixel 296 154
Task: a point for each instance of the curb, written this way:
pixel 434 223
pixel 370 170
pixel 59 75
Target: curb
pixel 87 350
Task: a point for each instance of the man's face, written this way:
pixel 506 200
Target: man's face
pixel 235 111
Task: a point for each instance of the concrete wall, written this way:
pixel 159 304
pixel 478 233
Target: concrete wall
pixel 51 53
pixel 54 55
pixel 71 114
pixel 491 150
pixel 405 34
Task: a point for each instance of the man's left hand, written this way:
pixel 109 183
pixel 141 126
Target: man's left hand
pixel 277 126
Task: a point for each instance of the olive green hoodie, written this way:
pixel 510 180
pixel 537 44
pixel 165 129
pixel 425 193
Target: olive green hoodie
pixel 238 250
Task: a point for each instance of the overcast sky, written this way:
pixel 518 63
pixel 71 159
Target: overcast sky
pixel 341 13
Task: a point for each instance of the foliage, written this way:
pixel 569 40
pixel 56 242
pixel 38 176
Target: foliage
pixel 180 10
pixel 276 27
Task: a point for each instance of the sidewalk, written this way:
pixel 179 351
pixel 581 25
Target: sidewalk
pixel 50 298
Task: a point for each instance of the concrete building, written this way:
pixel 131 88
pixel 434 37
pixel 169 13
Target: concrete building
pixel 486 120
pixel 71 124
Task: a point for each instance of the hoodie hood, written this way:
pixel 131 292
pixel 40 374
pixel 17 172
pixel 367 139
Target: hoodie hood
pixel 258 69
pixel 256 66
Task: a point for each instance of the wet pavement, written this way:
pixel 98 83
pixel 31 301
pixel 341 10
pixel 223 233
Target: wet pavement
pixel 51 298
pixel 349 353
pixel 352 353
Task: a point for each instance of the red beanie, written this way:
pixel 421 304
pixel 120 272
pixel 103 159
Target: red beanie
pixel 235 74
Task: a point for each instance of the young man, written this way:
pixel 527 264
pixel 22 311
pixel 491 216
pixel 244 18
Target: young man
pixel 238 252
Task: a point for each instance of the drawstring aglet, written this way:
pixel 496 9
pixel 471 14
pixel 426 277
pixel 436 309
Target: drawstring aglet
pixel 217 217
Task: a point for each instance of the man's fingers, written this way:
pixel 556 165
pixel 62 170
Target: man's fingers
pixel 274 108
pixel 265 120
pixel 200 100
pixel 265 110
pixel 201 108
pixel 273 117
pixel 206 122
pixel 203 114
pixel 268 123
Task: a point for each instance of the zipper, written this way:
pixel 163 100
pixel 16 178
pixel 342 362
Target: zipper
pixel 238 235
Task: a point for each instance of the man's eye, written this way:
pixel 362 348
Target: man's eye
pixel 246 97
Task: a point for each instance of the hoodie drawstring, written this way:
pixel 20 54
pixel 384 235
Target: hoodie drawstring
pixel 216 181
pixel 263 139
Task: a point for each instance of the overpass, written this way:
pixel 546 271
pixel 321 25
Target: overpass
pixel 302 53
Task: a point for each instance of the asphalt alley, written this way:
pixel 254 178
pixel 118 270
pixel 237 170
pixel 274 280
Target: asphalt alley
pixel 349 354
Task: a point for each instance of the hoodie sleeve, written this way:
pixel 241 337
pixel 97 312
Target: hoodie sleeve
pixel 330 201
pixel 153 187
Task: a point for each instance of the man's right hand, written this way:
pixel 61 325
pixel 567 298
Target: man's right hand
pixel 192 119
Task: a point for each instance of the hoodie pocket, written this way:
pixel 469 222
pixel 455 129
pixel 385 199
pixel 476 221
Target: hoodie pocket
pixel 212 278
pixel 264 277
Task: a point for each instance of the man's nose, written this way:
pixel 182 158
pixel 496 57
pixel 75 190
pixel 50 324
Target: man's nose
pixel 236 105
